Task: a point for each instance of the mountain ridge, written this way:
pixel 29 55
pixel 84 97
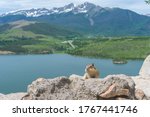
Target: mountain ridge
pixel 82 8
pixel 88 19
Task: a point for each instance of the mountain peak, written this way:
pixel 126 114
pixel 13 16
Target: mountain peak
pixel 88 4
pixel 76 9
pixel 70 5
pixel 66 8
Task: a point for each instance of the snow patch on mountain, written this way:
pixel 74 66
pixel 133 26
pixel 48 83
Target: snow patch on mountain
pixel 75 9
pixel 91 21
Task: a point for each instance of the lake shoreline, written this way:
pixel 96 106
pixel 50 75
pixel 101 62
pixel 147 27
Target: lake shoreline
pixel 6 53
pixel 92 57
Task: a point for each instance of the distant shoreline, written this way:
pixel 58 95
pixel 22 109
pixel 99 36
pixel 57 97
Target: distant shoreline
pixel 13 53
pixel 6 52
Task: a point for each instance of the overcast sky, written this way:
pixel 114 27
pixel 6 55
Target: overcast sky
pixel 138 6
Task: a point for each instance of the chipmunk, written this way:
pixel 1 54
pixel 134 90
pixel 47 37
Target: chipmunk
pixel 91 72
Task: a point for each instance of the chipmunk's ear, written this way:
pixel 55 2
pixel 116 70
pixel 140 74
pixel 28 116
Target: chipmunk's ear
pixel 92 64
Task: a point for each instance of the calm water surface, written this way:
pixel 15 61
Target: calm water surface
pixel 17 71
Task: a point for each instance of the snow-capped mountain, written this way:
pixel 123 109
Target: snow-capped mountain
pixel 29 13
pixel 75 9
pixel 86 18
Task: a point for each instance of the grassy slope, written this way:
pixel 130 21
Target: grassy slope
pixel 50 30
pixel 26 42
pixel 129 48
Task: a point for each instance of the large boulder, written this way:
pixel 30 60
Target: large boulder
pixel 76 88
pixel 119 86
pixel 142 84
pixel 145 69
pixel 143 80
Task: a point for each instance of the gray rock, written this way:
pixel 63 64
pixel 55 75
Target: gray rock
pixel 140 95
pixel 76 88
pixel 44 89
pixel 145 69
pixel 12 96
pixel 121 85
pixel 142 84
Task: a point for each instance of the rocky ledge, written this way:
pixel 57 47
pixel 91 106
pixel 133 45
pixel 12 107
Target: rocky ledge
pixel 76 88
pixel 116 87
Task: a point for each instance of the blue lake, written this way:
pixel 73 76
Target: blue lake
pixel 18 71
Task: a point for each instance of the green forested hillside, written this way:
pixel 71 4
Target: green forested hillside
pixel 50 30
pixel 25 42
pixel 115 48
pixel 24 37
pixel 38 38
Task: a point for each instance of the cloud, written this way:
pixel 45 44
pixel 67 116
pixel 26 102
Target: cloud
pixel 136 5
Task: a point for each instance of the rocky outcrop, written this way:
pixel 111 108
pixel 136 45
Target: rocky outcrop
pixel 143 81
pixel 142 84
pixel 12 96
pixel 145 69
pixel 76 88
pixel 118 87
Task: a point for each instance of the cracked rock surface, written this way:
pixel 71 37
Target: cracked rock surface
pixel 76 88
